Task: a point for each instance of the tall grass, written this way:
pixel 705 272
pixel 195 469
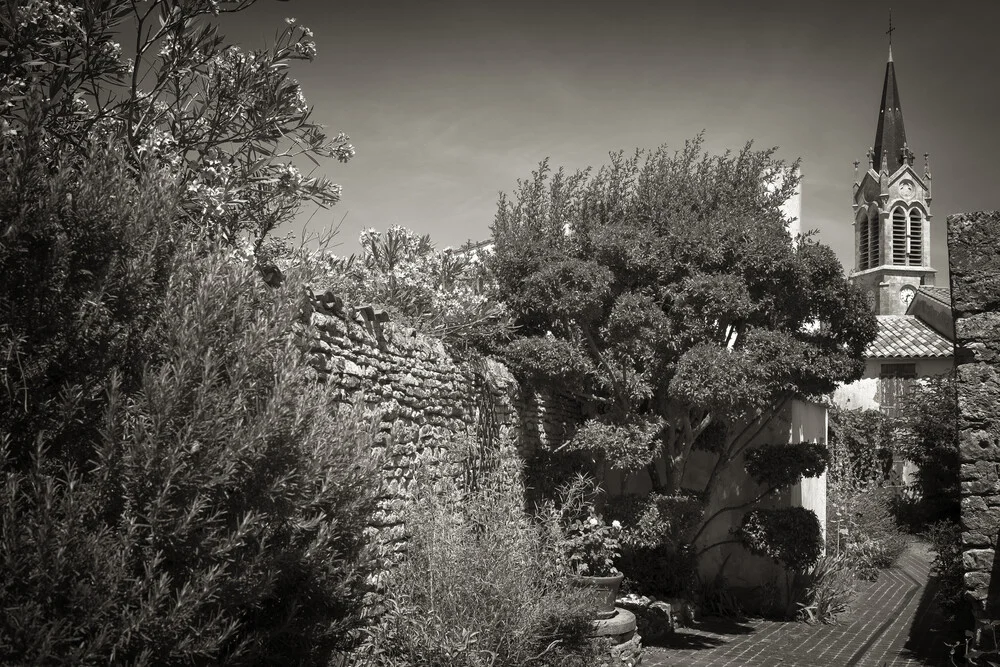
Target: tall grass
pixel 481 584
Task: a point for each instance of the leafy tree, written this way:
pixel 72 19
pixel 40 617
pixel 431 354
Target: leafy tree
pixel 232 124
pixel 668 286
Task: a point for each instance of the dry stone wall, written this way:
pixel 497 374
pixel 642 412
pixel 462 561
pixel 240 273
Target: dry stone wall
pixel 427 401
pixel 974 247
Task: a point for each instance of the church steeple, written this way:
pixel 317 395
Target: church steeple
pixel 891 211
pixel 890 137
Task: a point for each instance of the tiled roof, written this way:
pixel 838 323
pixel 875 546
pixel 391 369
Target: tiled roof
pixel 907 336
pixel 942 294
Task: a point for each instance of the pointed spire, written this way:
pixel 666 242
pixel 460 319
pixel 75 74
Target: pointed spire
pixel 890 137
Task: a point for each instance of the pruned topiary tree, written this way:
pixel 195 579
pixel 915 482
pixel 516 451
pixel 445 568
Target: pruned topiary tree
pixel 665 290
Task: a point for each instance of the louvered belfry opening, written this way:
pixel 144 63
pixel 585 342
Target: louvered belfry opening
pixel 907 237
pixel 874 237
pixel 899 240
pixel 915 256
pixel 864 239
pixel 868 243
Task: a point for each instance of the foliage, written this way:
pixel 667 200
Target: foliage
pixel 86 252
pixel 928 436
pixel 828 587
pixel 981 651
pixel 779 466
pixel 445 293
pixel 230 124
pixel 618 441
pixel 789 535
pixel 863 525
pixel 947 568
pixel 656 519
pixel 862 446
pixel 656 530
pixel 867 534
pixel 589 545
pixel 218 513
pixel 481 584
pixel 674 277
pixel 539 360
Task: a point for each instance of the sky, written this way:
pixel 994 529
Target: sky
pixel 449 102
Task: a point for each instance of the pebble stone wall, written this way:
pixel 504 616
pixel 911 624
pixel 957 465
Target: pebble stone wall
pixel 426 400
pixel 974 248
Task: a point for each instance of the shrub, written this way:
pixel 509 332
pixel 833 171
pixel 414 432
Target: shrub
pixel 444 293
pixel 779 466
pixel 946 539
pixel 928 433
pixel 589 544
pixel 219 517
pixel 828 587
pixel 656 530
pixel 481 584
pixel 789 535
pixel 868 536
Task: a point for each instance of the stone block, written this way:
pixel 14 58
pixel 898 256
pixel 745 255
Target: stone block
pixel 978 560
pixel 973 260
pixel 982 444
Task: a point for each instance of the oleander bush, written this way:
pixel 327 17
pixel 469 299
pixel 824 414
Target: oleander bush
pixel 482 583
pixel 202 502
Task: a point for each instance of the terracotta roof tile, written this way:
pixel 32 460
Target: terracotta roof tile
pixel 907 336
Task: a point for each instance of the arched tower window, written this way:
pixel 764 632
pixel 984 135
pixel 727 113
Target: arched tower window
pixel 900 242
pixel 915 252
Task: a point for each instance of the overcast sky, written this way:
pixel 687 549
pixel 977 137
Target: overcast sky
pixel 449 102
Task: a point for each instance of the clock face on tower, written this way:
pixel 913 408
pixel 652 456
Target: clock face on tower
pixel 906 294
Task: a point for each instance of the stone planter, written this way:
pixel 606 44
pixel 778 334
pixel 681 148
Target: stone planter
pixel 607 590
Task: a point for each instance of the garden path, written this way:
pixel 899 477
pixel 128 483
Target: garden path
pixel 891 623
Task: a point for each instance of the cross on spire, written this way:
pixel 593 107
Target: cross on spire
pixel 889 32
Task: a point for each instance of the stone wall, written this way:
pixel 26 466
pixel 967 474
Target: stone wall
pixel 973 243
pixel 426 401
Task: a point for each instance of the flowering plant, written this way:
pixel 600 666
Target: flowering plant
pixel 447 293
pixel 589 545
pixel 592 546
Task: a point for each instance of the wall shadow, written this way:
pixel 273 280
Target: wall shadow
pixel 931 631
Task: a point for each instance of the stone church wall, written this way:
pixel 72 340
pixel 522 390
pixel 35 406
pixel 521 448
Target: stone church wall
pixel 427 401
pixel 973 240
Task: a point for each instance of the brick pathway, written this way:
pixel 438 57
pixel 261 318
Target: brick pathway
pixel 890 624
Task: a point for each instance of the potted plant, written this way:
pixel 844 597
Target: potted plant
pixel 590 546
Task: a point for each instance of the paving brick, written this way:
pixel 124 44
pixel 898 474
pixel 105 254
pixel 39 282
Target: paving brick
pixel 890 624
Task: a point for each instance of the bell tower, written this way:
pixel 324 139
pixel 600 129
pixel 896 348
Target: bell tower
pixel 891 211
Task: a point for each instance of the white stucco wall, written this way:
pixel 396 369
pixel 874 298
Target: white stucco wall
pixel 863 393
